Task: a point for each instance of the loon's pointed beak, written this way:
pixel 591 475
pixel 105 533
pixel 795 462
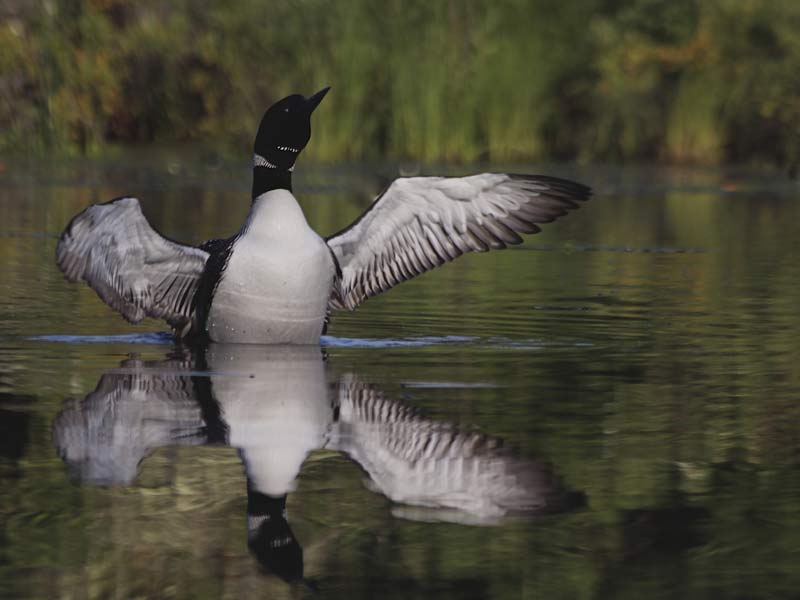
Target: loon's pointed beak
pixel 313 101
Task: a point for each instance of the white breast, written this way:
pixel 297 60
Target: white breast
pixel 276 285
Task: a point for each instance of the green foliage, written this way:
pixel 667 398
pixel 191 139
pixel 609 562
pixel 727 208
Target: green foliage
pixel 683 81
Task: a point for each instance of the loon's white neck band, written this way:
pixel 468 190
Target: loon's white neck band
pixel 260 161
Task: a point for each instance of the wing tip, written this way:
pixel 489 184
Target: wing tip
pixel 566 187
pixel 125 200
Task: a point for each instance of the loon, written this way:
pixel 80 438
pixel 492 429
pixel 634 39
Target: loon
pixel 276 280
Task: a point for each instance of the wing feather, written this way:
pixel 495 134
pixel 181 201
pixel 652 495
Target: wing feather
pixel 420 223
pixel 132 267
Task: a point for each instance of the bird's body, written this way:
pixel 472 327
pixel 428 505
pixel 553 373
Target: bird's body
pixel 276 280
pixel 276 284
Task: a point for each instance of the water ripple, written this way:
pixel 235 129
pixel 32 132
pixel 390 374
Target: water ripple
pixel 161 337
pixel 330 341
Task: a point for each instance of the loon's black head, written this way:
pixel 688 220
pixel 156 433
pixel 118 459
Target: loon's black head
pixel 285 130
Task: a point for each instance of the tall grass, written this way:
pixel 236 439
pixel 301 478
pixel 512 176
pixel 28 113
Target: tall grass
pixel 589 80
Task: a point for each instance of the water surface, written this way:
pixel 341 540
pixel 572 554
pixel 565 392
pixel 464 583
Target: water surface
pixel 632 370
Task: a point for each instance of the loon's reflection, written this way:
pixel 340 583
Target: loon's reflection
pixel 276 405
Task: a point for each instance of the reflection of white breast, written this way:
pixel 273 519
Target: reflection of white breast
pixel 274 401
pixel 278 279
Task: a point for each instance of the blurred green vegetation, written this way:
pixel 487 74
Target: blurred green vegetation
pixel 592 80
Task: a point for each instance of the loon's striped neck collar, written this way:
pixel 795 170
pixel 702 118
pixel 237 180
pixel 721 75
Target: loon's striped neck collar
pixel 267 177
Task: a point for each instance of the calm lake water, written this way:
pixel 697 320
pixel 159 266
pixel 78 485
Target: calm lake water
pixel 609 410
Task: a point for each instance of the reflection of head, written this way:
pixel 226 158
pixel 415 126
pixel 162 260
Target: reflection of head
pixel 270 538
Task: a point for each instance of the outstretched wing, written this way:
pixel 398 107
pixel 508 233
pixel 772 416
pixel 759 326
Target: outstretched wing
pixel 132 267
pixel 419 223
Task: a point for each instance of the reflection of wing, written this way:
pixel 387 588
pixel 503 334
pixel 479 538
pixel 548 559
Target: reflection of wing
pixel 419 223
pixel 104 436
pixel 421 462
pixel 132 267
